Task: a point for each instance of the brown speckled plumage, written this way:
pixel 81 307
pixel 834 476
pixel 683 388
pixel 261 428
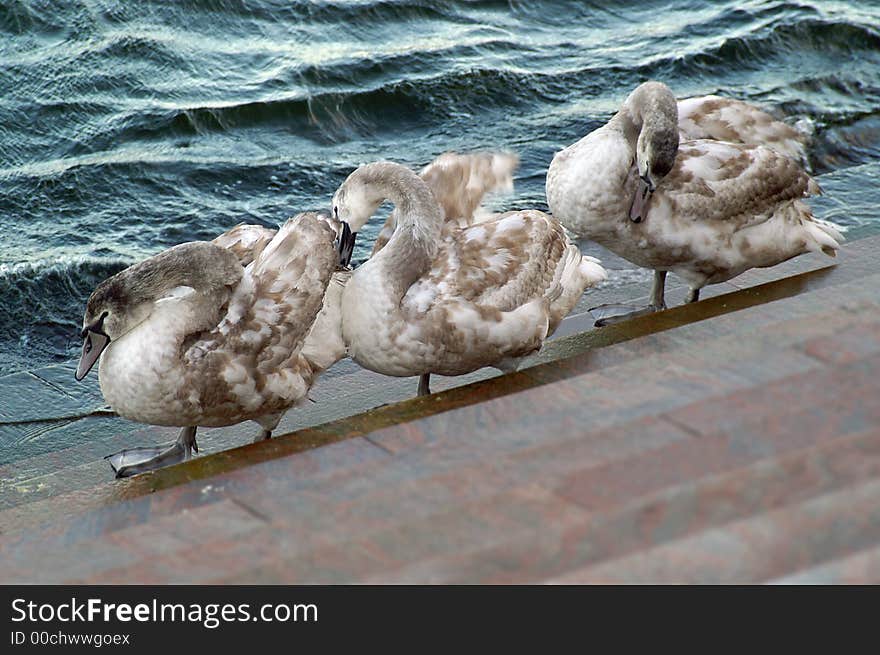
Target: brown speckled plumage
pixel 218 343
pixel 455 300
pixel 722 208
pixel 734 121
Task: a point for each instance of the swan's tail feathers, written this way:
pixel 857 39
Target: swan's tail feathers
pixel 578 274
pixel 461 182
pixel 825 235
pixel 591 268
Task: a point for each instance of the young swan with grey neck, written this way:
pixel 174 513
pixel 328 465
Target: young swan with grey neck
pixel 484 295
pixel 190 337
pixel 707 210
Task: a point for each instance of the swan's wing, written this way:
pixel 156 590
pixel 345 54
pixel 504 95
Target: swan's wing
pixel 197 278
pixel 460 183
pixel 277 300
pixel 500 264
pixel 715 181
pixel 245 241
pixel 735 121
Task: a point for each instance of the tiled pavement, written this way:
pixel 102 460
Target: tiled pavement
pixel 736 440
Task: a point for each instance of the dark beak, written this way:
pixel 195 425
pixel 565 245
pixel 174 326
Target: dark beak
pixel 345 245
pixel 639 208
pixel 93 345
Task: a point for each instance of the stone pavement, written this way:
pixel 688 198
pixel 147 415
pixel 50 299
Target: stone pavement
pixel 735 440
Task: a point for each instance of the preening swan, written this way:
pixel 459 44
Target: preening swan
pixel 707 210
pixel 191 337
pixel 453 301
pixel 459 184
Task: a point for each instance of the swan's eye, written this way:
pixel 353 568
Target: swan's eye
pixel 336 212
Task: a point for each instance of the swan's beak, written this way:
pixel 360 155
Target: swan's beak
pixel 639 208
pixel 345 245
pixel 93 345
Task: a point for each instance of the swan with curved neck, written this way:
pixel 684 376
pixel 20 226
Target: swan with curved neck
pixel 192 337
pixel 485 295
pixel 706 210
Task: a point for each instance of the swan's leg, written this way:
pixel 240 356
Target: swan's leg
pixel 268 422
pixel 424 381
pixel 137 460
pixel 263 436
pixel 610 314
pixel 693 295
pixel 658 290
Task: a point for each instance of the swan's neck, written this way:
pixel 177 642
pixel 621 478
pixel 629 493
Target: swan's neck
pixel 628 125
pixel 149 352
pixel 413 246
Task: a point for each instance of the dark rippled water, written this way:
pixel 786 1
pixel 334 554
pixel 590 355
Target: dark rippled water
pixel 127 127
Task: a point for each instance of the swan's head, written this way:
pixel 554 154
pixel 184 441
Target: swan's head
pixel 371 184
pixel 358 198
pixel 111 312
pixel 654 109
pixel 345 238
pixel 122 302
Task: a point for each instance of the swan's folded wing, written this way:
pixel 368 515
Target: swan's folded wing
pixel 712 181
pixel 460 183
pixel 198 277
pixel 502 263
pixel 245 241
pixel 279 296
pixel 735 121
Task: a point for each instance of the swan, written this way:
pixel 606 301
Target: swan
pixel 705 209
pixel 450 302
pixel 192 337
pixel 459 182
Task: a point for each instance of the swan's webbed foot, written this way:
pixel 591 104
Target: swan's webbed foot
pixel 424 384
pixel 132 461
pixel 611 314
